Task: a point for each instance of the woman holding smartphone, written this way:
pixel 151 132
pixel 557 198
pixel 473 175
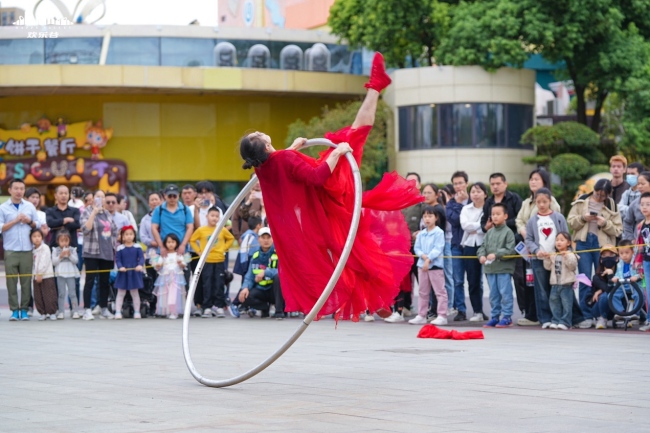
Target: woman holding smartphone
pixel 595 221
pixel 100 238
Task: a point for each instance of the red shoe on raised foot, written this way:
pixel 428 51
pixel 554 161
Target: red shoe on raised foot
pixel 379 79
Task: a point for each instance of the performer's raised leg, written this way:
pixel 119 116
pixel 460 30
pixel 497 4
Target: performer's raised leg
pixel 378 81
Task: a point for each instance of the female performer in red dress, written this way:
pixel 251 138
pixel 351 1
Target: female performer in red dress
pixel 309 204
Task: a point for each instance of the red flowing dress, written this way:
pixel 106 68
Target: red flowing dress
pixel 309 210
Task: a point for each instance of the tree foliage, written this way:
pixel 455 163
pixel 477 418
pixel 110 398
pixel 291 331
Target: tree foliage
pixel 564 137
pixel 375 159
pixel 572 169
pixel 401 29
pixel 600 42
pixel 636 117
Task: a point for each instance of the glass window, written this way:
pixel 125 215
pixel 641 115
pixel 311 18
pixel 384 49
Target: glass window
pixel 462 125
pixel 22 51
pixel 73 50
pixel 134 51
pixel 187 52
pixel 340 58
pixel 520 119
pixel 406 120
pixel 418 127
pixel 490 125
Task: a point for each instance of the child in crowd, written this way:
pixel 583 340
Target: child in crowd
pixel 563 265
pixel 65 259
pixel 129 260
pixel 499 242
pixel 625 271
pixel 541 231
pixel 643 237
pixel 429 247
pixel 248 242
pixel 171 279
pixel 214 268
pixel 45 297
pixel 601 284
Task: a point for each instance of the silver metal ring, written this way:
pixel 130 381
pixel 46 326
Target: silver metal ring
pixel 314 311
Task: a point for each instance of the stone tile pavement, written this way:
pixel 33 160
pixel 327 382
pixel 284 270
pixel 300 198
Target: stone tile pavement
pixel 129 376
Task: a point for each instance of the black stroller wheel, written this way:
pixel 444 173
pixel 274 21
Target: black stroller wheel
pixel 637 306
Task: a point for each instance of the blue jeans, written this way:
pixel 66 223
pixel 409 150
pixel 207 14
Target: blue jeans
pixel 458 266
pixel 601 308
pixel 586 265
pixel 449 276
pixel 561 302
pixel 542 291
pixel 501 298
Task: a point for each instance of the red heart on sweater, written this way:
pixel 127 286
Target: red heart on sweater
pixel 547 231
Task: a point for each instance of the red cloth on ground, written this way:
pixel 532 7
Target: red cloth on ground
pixel 309 212
pixel 432 331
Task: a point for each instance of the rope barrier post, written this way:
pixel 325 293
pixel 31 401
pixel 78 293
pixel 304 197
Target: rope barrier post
pixel 356 215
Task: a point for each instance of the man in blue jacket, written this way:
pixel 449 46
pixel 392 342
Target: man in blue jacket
pixel 261 286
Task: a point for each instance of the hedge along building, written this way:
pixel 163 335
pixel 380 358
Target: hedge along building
pixel 175 99
pixel 462 118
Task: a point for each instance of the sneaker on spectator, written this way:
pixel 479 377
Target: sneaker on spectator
pixel 645 327
pixel 234 310
pixel 294 314
pixel 394 318
pixel 369 317
pixel 439 321
pixel 586 324
pixel 562 327
pixel 75 315
pixel 30 312
pixel 553 326
pixel 460 317
pixel 601 323
pixel 196 312
pixel 42 317
pixel 15 316
pixel 105 314
pixel 118 316
pixel 60 316
pixel 505 322
pixel 477 317
pixel 97 310
pixel 207 313
pixel 53 317
pixel 418 320
pixel 172 317
pixel 88 315
pixel 272 310
pixel 278 316
pixel 252 312
pixel 526 322
pixel 220 313
pixel 406 313
pixel 491 323
pixel 137 315
pixel 24 315
pixel 546 325
pixel 452 312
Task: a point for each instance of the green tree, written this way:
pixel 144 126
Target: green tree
pixel 572 170
pixel 564 137
pixel 600 42
pixel 375 158
pixel 400 29
pixel 636 117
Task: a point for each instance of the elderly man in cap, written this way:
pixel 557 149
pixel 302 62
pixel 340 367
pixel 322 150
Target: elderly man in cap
pixel 261 286
pixel 172 217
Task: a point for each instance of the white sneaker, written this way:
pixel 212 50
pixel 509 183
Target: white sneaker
pixel 172 317
pixel 562 327
pixel 118 316
pixel 439 321
pixel 97 310
pixel 137 315
pixel 53 317
pixel 553 326
pixel 88 315
pixel 42 317
pixel 452 312
pixel 478 317
pixel 75 315
pixel 60 316
pixel 271 311
pixel 601 323
pixel 207 313
pixel 586 324
pixel 394 318
pixel 418 320
pixel 645 327
pixel 406 313
pixel 220 313
pixel 546 325
pixel 105 314
pixel 525 322
pixel 369 318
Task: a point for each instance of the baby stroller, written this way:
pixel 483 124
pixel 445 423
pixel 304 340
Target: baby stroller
pixel 147 298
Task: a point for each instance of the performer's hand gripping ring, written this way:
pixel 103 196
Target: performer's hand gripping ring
pixel 309 317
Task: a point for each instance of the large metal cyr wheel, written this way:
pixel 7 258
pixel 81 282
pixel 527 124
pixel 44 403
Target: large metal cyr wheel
pixel 309 317
pixel 637 305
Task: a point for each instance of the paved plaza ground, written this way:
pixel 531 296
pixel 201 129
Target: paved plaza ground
pixel 129 376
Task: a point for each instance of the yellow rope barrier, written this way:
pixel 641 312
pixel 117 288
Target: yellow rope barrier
pixel 514 256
